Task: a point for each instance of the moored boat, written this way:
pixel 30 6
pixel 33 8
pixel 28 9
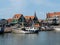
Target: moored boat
pixel 56 28
pixel 32 29
pixel 25 30
pixel 7 29
pixel 46 28
pixel 1 30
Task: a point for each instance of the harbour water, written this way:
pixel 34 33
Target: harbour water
pixel 43 38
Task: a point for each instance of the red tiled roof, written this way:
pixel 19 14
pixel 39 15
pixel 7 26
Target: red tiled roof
pixel 53 14
pixel 9 20
pixel 37 25
pixel 28 17
pixel 17 16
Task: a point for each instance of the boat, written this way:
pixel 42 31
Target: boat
pixel 32 29
pixel 56 28
pixel 46 28
pixel 25 30
pixel 1 29
pixel 7 29
pixel 18 30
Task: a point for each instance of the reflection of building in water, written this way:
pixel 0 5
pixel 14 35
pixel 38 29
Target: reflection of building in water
pixel 53 18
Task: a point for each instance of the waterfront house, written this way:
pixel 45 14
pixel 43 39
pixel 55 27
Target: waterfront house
pixel 53 18
pixel 18 19
pixel 31 19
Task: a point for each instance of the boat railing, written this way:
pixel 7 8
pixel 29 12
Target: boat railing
pixel 31 27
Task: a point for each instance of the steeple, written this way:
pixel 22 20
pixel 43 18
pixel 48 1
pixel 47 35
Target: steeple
pixel 35 14
pixel 35 19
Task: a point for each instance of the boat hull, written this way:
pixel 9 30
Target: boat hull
pixel 24 31
pixel 1 30
pixel 57 29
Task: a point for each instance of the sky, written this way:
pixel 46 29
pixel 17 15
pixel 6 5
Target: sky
pixel 8 8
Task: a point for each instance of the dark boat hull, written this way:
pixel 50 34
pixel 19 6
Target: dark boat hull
pixel 1 30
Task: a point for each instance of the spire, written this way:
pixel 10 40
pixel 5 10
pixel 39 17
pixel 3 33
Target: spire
pixel 35 19
pixel 35 13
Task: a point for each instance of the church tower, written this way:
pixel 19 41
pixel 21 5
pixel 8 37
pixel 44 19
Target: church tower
pixel 35 19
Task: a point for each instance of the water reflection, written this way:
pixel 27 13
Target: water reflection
pixel 43 38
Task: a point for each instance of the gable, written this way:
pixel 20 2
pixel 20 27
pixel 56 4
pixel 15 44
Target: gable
pixel 17 16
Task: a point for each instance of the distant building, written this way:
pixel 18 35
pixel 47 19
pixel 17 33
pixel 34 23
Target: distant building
pixel 53 18
pixel 9 20
pixel 3 22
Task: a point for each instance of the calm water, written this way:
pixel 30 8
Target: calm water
pixel 43 38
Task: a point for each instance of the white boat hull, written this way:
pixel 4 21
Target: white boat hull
pixel 19 31
pixel 57 29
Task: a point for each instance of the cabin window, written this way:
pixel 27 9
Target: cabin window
pixel 7 25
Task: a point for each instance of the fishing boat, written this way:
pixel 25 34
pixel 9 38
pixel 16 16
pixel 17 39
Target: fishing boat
pixel 32 29
pixel 25 30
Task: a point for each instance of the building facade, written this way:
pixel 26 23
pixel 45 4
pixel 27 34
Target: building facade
pixel 31 19
pixel 53 18
pixel 9 20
